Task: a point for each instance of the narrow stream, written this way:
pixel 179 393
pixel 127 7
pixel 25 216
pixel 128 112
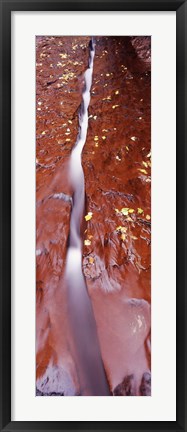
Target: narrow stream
pixel 86 345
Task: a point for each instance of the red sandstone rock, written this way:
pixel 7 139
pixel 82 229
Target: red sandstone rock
pixel 117 167
pixel 116 161
pixel 60 65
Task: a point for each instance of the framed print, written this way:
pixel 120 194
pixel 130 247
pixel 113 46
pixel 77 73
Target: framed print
pixel 93 215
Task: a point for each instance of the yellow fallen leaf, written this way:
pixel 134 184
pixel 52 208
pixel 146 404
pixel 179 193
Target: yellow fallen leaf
pixel 117 92
pixel 134 238
pixel 96 138
pixel 107 98
pixel 143 171
pixel 104 137
pixel 68 139
pixel 117 211
pixel 87 242
pixel 124 211
pixel 131 210
pixel 148 217
pixel 121 229
pixel 129 219
pixel 123 236
pixel 96 144
pixel 149 155
pixel 140 211
pixel 91 260
pixel 69 121
pixel 43 133
pixel 114 106
pixel 63 55
pixel 95 117
pixel 133 138
pixel 127 148
pixel 145 164
pixel 88 216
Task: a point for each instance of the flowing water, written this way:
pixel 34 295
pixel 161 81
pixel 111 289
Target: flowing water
pixel 86 345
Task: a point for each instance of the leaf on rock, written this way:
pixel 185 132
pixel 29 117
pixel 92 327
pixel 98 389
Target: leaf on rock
pixel 87 242
pixel 123 236
pixel 121 229
pixel 125 211
pixel 148 217
pixel 143 171
pixel 145 164
pixel 140 211
pixel 91 260
pixel 88 216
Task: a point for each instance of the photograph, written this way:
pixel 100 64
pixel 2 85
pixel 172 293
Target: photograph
pixel 93 215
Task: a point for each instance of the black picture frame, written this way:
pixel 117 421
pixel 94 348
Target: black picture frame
pixel 6 7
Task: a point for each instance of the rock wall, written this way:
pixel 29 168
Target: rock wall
pixel 117 237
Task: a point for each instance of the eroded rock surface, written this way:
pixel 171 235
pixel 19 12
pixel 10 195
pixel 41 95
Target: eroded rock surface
pixel 117 166
pixel 60 65
pixel 117 238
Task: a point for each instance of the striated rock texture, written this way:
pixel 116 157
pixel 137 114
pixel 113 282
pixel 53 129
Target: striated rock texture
pixel 60 64
pixel 117 237
pixel 116 161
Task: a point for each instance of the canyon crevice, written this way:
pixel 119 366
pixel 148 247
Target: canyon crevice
pixel 116 229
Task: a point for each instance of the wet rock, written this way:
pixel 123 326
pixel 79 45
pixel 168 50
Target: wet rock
pixel 117 166
pixel 145 388
pixel 60 65
pixel 56 381
pixel 117 239
pixel 126 388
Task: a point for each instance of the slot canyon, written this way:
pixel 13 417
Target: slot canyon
pixel 93 216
